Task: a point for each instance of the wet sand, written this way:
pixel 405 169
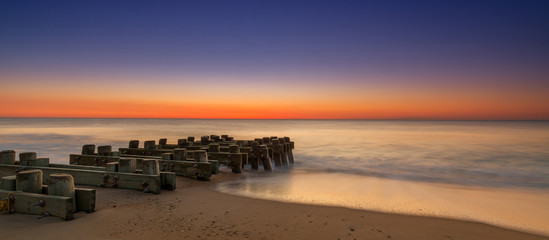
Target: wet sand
pixel 196 211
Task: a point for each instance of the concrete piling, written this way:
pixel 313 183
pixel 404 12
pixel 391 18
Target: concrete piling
pixel 180 154
pixel 7 157
pixel 29 181
pixel 105 150
pixel 25 156
pixel 151 167
pixel 290 152
pixel 134 144
pixel 88 149
pixel 234 148
pixel 265 158
pixel 111 167
pixel 150 145
pixel 236 160
pixel 204 140
pixel 213 147
pixel 283 152
pixel 200 156
pixel 277 155
pixel 127 165
pixel 62 184
pixel 167 156
pixel 181 143
pixel 254 160
pixel 8 183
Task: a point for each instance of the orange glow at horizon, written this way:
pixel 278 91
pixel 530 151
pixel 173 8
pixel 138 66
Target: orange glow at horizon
pixel 301 100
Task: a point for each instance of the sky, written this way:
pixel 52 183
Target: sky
pixel 475 60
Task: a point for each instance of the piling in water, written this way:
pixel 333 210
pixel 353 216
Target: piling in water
pixel 265 158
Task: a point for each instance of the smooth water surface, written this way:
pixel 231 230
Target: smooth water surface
pixel 486 153
pixel 490 171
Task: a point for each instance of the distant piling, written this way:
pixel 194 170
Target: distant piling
pixel 7 157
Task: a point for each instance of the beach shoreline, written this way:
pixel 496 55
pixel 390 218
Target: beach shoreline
pixel 195 210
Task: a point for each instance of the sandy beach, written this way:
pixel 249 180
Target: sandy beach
pixel 196 211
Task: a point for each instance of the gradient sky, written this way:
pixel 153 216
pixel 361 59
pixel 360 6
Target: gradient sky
pixel 275 59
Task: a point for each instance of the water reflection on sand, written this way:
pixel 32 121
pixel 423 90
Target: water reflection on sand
pixel 524 210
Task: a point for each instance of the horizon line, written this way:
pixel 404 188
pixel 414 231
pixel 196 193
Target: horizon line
pixel 358 119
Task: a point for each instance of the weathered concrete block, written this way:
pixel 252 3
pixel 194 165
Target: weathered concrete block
pixel 127 165
pixel 8 183
pixel 151 167
pixel 180 154
pixel 105 150
pixel 115 154
pixel 204 140
pixel 200 156
pixel 62 184
pixel 7 157
pixel 181 143
pixel 85 199
pixel 213 147
pixel 29 181
pixel 167 156
pixel 32 203
pixel 190 139
pixel 168 180
pixel 111 167
pixel 25 156
pixel 234 148
pixel 236 163
pixel 265 158
pixel 290 151
pixel 88 149
pixel 163 141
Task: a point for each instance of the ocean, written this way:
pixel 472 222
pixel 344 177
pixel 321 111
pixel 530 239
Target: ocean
pixel 471 170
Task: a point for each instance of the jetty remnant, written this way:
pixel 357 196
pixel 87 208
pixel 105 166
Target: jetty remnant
pixel 24 192
pixel 110 176
pixel 199 159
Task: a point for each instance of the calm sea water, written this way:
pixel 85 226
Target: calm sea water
pixel 483 153
pixel 495 172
